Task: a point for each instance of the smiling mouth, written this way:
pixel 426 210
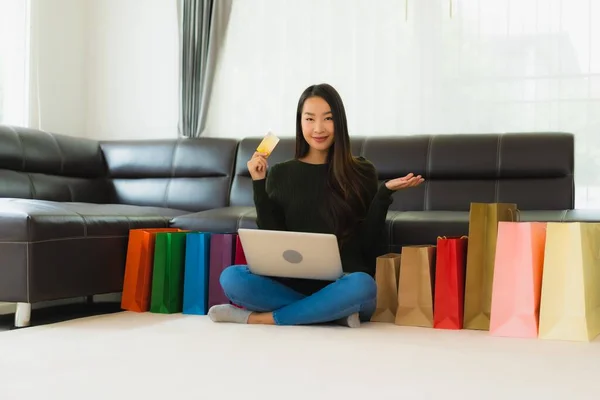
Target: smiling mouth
pixel 320 139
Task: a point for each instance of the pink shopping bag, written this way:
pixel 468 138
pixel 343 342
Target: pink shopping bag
pixel 517 281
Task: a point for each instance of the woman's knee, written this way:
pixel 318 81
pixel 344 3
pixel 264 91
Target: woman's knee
pixel 233 279
pixel 362 285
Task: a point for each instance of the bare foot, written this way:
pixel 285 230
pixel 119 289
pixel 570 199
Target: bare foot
pixel 261 319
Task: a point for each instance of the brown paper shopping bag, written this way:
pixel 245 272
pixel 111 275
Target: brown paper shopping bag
pixel 386 275
pixel 483 232
pixel 570 301
pixel 415 287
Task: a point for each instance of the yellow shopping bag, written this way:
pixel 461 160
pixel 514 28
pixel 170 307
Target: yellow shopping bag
pixel 570 302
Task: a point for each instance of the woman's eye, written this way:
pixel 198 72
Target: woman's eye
pixel 309 119
pixel 329 119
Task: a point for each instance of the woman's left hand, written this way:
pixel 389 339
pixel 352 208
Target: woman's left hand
pixel 405 182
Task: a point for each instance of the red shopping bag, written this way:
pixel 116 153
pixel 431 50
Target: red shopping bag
pixel 240 257
pixel 450 283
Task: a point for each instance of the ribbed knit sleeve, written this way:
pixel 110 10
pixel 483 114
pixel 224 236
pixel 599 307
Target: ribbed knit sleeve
pixel 374 223
pixel 269 214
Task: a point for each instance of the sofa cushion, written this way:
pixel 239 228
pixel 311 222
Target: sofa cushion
pixel 219 220
pixel 423 227
pixel 40 165
pixel 185 174
pixel 50 250
pixel 464 168
pixel 458 169
pixel 581 216
pixel 37 220
pixel 402 227
pixel 230 219
pixel 31 150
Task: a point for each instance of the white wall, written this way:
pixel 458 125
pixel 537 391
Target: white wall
pixel 132 69
pixel 105 69
pixel 490 66
pixel 58 78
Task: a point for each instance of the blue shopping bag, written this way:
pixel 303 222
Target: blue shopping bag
pixel 197 264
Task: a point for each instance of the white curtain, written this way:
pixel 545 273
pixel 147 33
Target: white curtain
pixel 13 61
pixel 438 66
pixel 202 25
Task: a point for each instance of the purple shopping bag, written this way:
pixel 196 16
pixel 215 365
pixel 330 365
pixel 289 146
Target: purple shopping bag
pixel 221 257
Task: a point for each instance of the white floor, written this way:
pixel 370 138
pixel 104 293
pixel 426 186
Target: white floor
pixel 148 356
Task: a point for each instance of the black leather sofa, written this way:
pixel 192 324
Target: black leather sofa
pixel 67 204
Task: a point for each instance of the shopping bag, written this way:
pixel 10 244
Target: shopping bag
pixel 451 259
pixel 387 272
pixel 415 286
pixel 221 257
pixel 483 231
pixel 139 263
pixel 195 283
pixel 518 279
pixel 570 302
pixel 167 279
pixel 240 257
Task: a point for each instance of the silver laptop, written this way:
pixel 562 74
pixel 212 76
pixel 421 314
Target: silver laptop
pixel 292 254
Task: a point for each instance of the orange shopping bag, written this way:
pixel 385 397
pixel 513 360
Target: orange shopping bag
pixel 517 281
pixel 138 269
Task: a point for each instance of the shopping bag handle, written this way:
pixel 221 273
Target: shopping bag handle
pixel 518 215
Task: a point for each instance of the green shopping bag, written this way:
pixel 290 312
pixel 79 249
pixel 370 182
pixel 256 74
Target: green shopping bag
pixel 167 276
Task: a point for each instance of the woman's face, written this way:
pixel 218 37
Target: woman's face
pixel 317 123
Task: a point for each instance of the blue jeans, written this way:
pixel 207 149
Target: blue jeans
pixel 355 292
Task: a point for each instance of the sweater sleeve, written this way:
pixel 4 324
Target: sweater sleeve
pixel 269 214
pixel 374 223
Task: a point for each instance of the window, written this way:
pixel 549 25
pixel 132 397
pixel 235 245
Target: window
pixel 13 61
pixel 528 66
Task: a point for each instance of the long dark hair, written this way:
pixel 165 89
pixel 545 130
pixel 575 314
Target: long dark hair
pixel 347 195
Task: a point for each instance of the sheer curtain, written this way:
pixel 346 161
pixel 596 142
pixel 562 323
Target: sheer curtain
pixel 436 66
pixel 14 16
pixel 14 26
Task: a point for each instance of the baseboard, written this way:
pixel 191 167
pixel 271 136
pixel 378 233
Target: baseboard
pixel 10 308
pixel 7 308
pixel 108 298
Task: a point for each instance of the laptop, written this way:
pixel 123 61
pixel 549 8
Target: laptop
pixel 286 254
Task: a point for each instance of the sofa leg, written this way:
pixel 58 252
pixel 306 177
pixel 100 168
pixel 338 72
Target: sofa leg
pixel 23 315
pixel 89 300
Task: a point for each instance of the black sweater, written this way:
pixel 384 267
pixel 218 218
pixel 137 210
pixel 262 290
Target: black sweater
pixel 292 198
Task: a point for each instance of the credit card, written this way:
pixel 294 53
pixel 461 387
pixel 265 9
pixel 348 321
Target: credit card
pixel 268 144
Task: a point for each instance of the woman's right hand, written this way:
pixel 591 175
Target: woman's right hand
pixel 257 166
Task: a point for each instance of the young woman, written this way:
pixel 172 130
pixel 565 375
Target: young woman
pixel 324 189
